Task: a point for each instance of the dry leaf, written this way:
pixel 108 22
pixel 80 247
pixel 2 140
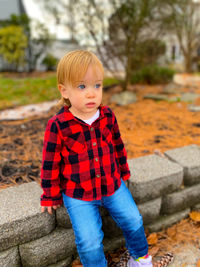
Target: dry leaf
pixel 198 263
pixel 171 232
pixel 152 239
pixel 113 255
pixel 116 259
pixel 153 251
pixel 76 263
pixel 195 216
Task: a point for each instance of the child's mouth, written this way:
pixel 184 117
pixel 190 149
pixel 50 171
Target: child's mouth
pixel 92 104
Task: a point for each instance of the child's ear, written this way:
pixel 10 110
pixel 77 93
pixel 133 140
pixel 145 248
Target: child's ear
pixel 63 90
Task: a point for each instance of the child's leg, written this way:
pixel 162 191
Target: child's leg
pixel 124 211
pixel 87 225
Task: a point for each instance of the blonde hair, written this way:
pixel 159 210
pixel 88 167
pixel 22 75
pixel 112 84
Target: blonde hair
pixel 73 66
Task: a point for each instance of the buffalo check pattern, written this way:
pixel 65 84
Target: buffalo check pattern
pixel 83 161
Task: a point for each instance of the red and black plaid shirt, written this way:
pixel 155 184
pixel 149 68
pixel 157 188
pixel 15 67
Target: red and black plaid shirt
pixel 83 161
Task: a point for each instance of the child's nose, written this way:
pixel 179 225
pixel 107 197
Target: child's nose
pixel 90 92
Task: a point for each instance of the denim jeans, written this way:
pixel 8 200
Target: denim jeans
pixel 87 225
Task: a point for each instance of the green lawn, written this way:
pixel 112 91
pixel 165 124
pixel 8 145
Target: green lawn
pixel 23 91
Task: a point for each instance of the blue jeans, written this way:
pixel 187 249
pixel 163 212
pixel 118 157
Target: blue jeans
pixel 87 225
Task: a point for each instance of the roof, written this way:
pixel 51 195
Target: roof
pixel 9 7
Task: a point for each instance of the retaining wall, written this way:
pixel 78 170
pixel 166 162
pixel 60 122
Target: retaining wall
pixel 165 188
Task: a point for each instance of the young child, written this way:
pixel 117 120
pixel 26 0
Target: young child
pixel 85 164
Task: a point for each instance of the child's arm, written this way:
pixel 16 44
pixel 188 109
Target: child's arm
pixel 120 151
pixel 50 180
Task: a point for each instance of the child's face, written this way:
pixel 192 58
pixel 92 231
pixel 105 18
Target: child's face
pixel 86 95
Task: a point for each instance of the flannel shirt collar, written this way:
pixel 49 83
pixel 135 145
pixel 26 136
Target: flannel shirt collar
pixel 69 116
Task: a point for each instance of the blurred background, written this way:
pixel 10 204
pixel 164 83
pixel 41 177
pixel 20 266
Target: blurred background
pixel 128 35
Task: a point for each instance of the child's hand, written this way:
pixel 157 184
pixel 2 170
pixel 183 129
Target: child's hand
pixel 49 209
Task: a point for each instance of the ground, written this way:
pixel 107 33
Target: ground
pixel 146 126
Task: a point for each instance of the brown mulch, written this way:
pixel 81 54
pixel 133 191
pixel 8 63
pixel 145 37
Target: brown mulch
pixel 146 126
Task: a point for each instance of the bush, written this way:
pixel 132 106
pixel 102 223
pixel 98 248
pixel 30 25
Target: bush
pixel 110 81
pixel 147 53
pixel 13 44
pixel 152 74
pixel 50 62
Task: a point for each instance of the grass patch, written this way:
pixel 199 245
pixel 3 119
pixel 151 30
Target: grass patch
pixel 15 92
pixel 110 81
pixel 24 91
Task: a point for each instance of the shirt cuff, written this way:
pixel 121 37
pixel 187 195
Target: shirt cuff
pixel 126 176
pixel 50 202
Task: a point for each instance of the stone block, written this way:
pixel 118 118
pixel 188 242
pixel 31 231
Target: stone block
pixel 49 249
pixel 157 97
pixel 152 176
pixel 186 255
pixel 167 221
pixel 64 263
pixel 103 211
pixel 181 200
pixel 10 258
pixel 110 228
pixel 189 158
pixel 150 210
pixel 113 243
pixel 196 207
pixel 62 218
pixel 20 217
pixel 124 98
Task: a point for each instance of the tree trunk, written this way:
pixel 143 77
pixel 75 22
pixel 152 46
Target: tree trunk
pixel 188 63
pixel 127 72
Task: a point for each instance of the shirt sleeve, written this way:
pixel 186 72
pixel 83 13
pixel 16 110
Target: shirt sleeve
pixel 51 157
pixel 120 151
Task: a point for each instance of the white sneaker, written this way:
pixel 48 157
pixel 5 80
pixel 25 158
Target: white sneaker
pixel 142 262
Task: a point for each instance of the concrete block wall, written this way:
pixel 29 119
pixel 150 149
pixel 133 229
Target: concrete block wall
pixel 165 189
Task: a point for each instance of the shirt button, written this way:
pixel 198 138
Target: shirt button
pixel 96 159
pixel 94 144
pixel 92 129
pixel 98 175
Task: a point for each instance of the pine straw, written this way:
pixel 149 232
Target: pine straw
pixel 176 237
pixel 148 126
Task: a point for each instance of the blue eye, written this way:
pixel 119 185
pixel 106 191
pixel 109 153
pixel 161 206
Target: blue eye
pixel 97 85
pixel 81 86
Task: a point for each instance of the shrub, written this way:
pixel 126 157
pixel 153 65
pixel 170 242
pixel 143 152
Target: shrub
pixel 50 62
pixel 152 74
pixel 13 44
pixel 110 81
pixel 147 53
